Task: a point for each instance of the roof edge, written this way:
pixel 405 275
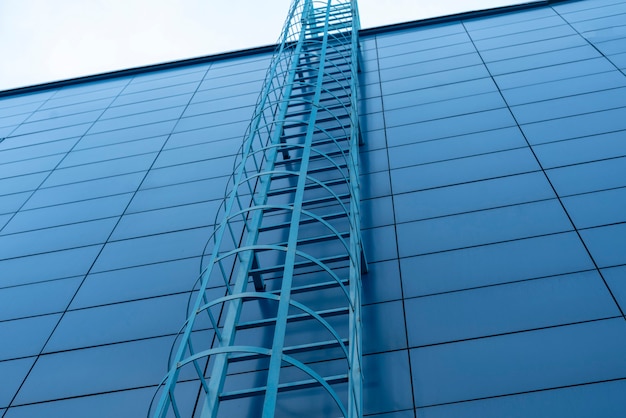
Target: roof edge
pixel 137 70
pixel 269 48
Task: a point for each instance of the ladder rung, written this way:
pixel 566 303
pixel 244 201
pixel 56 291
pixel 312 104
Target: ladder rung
pixel 310 186
pixel 280 267
pixel 292 318
pixel 303 348
pixel 311 171
pixel 315 286
pixel 311 240
pixel 302 222
pixel 328 131
pixel 315 201
pixel 283 387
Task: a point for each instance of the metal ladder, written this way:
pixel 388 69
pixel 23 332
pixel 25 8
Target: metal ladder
pixel 275 318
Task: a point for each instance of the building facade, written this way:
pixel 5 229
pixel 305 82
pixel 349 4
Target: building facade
pixel 493 196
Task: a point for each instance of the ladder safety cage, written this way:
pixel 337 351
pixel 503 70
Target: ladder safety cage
pixel 273 323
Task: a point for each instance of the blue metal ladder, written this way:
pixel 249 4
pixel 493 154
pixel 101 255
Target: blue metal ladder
pixel 275 318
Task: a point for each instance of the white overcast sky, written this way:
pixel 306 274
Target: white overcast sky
pixel 49 40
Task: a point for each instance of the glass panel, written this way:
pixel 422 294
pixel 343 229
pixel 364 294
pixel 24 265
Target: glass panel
pixel 123 135
pixel 212 150
pixel 380 332
pixel 568 106
pixel 456 147
pixel 595 209
pixel 439 93
pixel 117 366
pixel 142 84
pixel 178 194
pixel 231 102
pixel 124 149
pixel 576 126
pixel 233 79
pixel 381 283
pixel 463 170
pixel 127 403
pixel 600 23
pixel 100 170
pixel 70 109
pixel 535 358
pixel 136 120
pixel 85 190
pixel 543 60
pixel 554 73
pixel 189 122
pixel 45 136
pixel 484 227
pixel 217 92
pixel 21 183
pixel 380 244
pixel 580 150
pixel 499 40
pixel 39 150
pixel 420 68
pixel 444 109
pixel 29 166
pixel 616 280
pixel 119 322
pixel 435 79
pixel 13 373
pixel 375 185
pixel 472 196
pixel 147 250
pixel 183 173
pixel 37 299
pixel 25 337
pixel 533 48
pixel 606 244
pixel 125 99
pixel 149 106
pixel 611 47
pixel 589 177
pixel 595 12
pixel 412 35
pixel 60 122
pixel 77 96
pixel 48 266
pixel 456 125
pixel 493 264
pixel 376 212
pixel 508 308
pixel 56 238
pixel 12 202
pixel 563 88
pixel 166 220
pixel 137 283
pixel 485 22
pixel 619 60
pixel 6 121
pixel 70 213
pixel 599 399
pixel 388 386
pixel 211 135
pixel 402 47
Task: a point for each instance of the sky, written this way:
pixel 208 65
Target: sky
pixel 44 40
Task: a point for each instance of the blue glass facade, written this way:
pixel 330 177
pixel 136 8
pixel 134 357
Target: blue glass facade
pixel 494 219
